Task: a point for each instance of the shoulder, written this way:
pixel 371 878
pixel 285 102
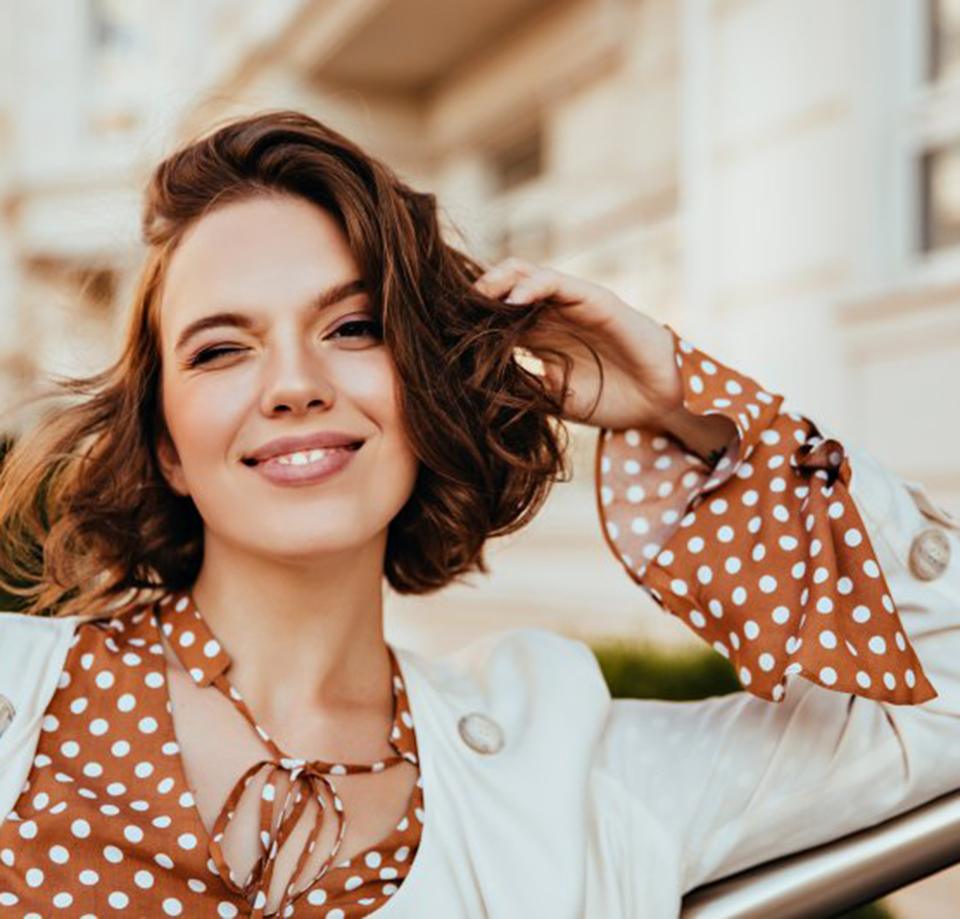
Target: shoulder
pixel 531 670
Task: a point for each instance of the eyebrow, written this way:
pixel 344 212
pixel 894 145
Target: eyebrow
pixel 321 301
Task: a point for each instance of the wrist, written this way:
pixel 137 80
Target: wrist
pixel 708 436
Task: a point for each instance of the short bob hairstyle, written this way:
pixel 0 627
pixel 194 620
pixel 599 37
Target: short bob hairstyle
pixel 89 523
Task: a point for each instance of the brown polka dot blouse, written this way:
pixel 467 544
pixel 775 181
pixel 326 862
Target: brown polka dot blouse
pixel 762 553
pixel 106 823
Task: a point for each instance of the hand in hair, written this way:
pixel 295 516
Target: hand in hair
pixel 638 384
pixel 641 382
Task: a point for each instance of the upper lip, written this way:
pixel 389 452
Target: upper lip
pixel 316 441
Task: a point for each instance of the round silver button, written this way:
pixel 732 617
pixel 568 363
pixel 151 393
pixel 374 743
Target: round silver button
pixel 480 732
pixel 929 554
pixel 7 711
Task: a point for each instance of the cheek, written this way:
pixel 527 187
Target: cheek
pixel 202 419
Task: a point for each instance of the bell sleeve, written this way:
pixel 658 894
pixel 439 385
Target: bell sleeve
pixel 764 555
pixel 831 585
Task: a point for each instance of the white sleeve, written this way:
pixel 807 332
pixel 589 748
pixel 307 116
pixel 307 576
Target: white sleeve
pixel 741 780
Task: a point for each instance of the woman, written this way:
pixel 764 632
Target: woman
pixel 316 391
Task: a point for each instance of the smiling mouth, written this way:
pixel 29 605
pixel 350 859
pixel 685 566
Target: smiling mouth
pixel 303 457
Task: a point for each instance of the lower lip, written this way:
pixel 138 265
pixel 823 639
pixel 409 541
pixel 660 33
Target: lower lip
pixel 309 473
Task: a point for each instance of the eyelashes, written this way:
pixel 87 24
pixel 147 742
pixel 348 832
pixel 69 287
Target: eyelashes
pixel 369 327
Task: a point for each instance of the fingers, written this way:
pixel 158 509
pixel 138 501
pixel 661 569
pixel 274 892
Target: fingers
pixel 501 278
pixel 520 281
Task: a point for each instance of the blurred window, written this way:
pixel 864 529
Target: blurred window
pixel 944 60
pixel 940 197
pixel 520 160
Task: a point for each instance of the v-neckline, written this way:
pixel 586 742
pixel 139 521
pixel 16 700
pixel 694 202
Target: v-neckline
pixel 415 800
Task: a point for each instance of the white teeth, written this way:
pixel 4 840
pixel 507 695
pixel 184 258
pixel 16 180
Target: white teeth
pixel 301 458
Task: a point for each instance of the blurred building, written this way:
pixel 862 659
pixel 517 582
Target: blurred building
pixel 779 180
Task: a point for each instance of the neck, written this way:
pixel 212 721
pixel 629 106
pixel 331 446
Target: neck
pixel 305 637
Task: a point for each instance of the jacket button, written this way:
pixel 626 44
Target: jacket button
pixel 7 711
pixel 480 733
pixel 929 554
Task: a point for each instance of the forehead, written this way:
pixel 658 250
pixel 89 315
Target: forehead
pixel 263 252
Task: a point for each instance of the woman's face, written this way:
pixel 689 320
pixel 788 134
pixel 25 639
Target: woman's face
pixel 250 355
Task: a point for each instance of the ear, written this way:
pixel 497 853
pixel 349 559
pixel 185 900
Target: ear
pixel 170 465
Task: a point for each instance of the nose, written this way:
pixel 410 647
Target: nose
pixel 295 383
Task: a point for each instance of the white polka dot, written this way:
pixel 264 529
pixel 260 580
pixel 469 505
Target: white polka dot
pixel 678 587
pixel 725 534
pixel 877 645
pixel 780 615
pixel 889 680
pixel 59 855
pixel 704 574
pixel 132 833
pixel 739 596
pixel 79 705
pixel 104 679
pixel 229 911
pixel 768 584
pixel 187 841
pixel 88 877
pixel 863 679
pixel 861 613
pixel 317 897
pixel 871 569
pixel 639 525
pixel 154 680
pixel 99 727
pixel 732 565
pixel 80 828
pixel 852 537
pixel 750 629
pixel 126 702
pixel 828 639
pixel 143 879
pixel 118 899
pixel 766 662
pixel 33 877
pixel 147 725
pixel 120 748
pixel 172 906
pixel 112 854
pixel 828 675
pixel 70 749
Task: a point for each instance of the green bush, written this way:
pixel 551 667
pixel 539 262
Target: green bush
pixel 644 671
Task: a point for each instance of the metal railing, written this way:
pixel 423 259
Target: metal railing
pixel 839 875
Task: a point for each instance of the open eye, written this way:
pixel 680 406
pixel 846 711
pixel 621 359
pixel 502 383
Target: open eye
pixel 358 327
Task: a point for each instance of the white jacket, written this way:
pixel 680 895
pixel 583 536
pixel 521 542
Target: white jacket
pixel 605 808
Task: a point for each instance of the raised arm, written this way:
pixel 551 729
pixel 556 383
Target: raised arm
pixel 834 589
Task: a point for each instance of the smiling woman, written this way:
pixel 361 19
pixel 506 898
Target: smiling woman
pixel 317 395
pixel 312 397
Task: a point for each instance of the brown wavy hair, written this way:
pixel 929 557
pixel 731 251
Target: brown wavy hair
pixel 88 521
